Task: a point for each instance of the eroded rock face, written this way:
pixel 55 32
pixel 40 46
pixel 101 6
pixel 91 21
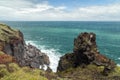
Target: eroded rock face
pixel 34 57
pixel 85 52
pixel 12 43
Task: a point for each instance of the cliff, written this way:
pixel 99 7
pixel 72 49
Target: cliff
pixel 12 43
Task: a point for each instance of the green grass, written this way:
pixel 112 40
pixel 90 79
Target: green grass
pixel 13 72
pixel 6 33
pixel 3 70
pixel 91 72
pixel 22 75
pixel 17 73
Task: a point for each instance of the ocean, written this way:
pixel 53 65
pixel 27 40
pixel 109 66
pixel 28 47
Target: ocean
pixel 56 38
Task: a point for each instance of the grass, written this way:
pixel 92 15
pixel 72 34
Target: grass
pixel 91 72
pixel 3 70
pixel 17 73
pixel 6 33
pixel 13 72
pixel 22 75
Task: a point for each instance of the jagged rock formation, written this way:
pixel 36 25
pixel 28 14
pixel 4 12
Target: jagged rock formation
pixel 34 57
pixel 85 52
pixel 12 43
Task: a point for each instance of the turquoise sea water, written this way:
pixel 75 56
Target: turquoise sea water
pixel 56 38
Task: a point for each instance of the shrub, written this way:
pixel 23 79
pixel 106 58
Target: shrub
pixel 4 58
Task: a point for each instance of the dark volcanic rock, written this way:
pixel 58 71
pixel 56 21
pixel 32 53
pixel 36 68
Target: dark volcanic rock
pixel 12 43
pixel 67 61
pixel 85 52
pixel 34 57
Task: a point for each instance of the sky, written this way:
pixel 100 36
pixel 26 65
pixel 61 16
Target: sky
pixel 60 10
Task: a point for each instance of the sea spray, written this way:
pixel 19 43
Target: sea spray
pixel 53 54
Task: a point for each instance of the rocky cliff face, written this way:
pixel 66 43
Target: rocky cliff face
pixel 12 43
pixel 85 52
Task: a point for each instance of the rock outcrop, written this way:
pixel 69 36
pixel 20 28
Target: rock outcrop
pixel 12 43
pixel 34 57
pixel 85 52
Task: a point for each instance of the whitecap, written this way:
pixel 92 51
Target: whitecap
pixel 53 54
pixel 118 64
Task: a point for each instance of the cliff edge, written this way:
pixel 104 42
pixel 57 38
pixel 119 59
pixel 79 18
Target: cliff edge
pixel 12 43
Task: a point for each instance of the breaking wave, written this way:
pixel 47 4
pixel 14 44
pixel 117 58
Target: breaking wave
pixel 53 54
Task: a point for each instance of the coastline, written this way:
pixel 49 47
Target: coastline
pixel 85 60
pixel 54 55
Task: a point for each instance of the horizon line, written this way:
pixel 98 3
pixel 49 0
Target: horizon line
pixel 59 21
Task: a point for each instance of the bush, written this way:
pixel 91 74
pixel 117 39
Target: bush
pixel 4 58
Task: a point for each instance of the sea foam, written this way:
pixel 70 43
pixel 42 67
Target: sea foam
pixel 53 54
pixel 118 64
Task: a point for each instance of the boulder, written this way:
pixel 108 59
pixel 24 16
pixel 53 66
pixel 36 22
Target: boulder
pixel 85 52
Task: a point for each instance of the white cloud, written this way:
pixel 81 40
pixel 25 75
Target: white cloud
pixel 40 8
pixel 26 10
pixel 108 12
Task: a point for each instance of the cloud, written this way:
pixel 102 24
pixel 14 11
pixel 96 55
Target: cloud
pixel 40 8
pixel 27 10
pixel 108 12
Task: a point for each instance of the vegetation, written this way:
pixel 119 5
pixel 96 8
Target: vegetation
pixel 13 72
pixel 4 59
pixel 6 33
pixel 91 72
pixel 3 70
pixel 16 73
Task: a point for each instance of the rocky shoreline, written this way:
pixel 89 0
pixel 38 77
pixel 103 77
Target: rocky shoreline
pixel 84 63
pixel 12 43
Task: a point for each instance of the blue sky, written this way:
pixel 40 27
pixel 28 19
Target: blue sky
pixel 60 10
pixel 77 3
pixel 70 3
